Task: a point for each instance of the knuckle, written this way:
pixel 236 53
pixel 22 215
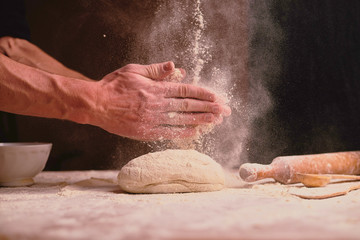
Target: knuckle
pixel 151 70
pixel 208 108
pixel 209 117
pixel 169 90
pixel 183 91
pixel 10 45
pixel 142 94
pixel 19 42
pixel 6 43
pixel 204 94
pixel 184 105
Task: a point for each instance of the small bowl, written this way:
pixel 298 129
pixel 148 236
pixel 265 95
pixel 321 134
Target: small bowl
pixel 20 162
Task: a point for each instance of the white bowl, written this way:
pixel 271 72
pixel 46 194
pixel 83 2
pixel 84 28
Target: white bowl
pixel 20 162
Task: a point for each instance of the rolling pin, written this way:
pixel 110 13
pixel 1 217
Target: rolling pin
pixel 285 169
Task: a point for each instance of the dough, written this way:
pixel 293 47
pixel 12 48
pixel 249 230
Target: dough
pixel 171 171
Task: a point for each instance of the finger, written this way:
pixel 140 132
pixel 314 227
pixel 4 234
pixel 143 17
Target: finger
pixel 191 105
pixel 157 71
pixel 168 133
pixel 179 90
pixel 173 118
pixel 225 110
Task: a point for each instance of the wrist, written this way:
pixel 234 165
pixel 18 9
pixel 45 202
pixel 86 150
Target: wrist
pixel 80 101
pixel 42 94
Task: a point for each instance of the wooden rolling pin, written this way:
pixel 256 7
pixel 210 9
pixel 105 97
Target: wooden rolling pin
pixel 285 169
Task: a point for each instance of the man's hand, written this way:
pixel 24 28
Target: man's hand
pixel 135 102
pixel 25 52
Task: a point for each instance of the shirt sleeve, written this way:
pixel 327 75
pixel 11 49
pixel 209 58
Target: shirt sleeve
pixel 13 19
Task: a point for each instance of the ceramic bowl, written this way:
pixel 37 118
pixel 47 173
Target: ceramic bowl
pixel 20 162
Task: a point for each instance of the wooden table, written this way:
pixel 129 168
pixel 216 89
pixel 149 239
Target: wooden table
pixel 74 205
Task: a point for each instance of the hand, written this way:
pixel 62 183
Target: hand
pixel 136 102
pixel 24 52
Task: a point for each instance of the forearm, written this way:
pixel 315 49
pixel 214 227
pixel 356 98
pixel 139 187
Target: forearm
pixel 27 53
pixel 132 101
pixel 29 91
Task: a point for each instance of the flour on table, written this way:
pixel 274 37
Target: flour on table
pixel 171 171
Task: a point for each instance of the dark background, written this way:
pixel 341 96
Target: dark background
pixel 316 95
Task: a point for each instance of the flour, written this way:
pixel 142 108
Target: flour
pixel 200 55
pixel 171 171
pixel 172 114
pixel 194 141
pixel 175 76
pixel 49 210
pixel 199 47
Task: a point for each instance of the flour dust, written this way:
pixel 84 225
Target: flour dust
pixel 211 40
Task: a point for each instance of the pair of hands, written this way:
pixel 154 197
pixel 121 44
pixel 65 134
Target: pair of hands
pixel 137 102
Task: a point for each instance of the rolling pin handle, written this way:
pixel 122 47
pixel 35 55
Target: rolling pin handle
pixel 251 172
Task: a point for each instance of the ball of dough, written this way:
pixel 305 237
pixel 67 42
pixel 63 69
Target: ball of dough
pixel 171 171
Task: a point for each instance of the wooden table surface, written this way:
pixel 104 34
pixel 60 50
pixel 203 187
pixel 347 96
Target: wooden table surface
pixel 74 205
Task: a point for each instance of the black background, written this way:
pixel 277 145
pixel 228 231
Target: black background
pixel 317 95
